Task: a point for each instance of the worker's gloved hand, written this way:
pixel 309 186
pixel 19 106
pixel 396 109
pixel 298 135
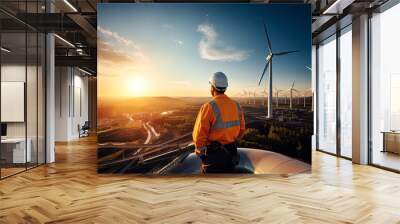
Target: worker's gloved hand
pixel 201 152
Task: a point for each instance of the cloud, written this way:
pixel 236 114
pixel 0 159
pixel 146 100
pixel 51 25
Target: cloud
pixel 114 35
pixel 108 54
pixel 111 61
pixel 211 48
pixel 178 42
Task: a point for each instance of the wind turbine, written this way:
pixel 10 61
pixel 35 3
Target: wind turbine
pixel 269 58
pixel 277 91
pixel 291 89
pixel 245 94
pixel 264 93
pixel 312 92
pixel 239 96
pixel 304 100
pixel 249 96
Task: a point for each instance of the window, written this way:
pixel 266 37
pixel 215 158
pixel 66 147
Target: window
pixel 327 95
pixel 385 89
pixel 346 92
pixel 22 88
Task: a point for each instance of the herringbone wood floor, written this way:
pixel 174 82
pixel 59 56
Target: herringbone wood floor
pixel 70 191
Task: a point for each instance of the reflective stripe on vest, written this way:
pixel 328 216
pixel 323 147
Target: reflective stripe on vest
pixel 219 123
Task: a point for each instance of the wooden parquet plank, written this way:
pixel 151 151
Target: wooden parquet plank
pixel 70 191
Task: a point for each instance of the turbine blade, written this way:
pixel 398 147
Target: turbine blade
pixel 262 76
pixel 285 52
pixel 269 42
pixel 293 84
pixel 309 68
pixel 265 69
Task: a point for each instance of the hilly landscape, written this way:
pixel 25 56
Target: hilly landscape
pixel 112 108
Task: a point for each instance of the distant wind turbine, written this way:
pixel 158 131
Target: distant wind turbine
pixel 269 58
pixel 248 96
pixel 304 100
pixel 244 94
pixel 312 98
pixel 277 91
pixel 264 93
pixel 312 93
pixel 291 89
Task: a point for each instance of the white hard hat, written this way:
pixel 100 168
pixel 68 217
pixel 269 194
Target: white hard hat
pixel 219 80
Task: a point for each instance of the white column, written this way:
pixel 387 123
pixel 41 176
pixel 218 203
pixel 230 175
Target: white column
pixel 63 103
pixel 50 99
pixel 360 90
pixel 50 92
pixel 314 90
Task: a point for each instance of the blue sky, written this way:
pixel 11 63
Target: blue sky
pixel 174 48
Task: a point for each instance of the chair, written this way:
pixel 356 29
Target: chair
pixel 84 130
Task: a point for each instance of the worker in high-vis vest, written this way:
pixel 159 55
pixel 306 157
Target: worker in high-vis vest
pixel 218 128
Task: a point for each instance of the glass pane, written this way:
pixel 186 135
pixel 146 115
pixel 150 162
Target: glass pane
pixel 346 93
pixel 31 98
pixel 327 95
pixel 385 84
pixel 41 98
pixel 13 87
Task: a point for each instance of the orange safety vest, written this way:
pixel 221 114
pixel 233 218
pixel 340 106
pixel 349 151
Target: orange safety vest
pixel 220 120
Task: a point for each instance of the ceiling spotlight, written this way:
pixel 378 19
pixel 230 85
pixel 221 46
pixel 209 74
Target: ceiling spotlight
pixel 5 50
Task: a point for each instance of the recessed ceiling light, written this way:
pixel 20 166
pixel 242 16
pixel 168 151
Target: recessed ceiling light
pixel 65 41
pixel 5 50
pixel 84 71
pixel 70 5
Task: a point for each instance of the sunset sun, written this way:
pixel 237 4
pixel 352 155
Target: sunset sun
pixel 136 86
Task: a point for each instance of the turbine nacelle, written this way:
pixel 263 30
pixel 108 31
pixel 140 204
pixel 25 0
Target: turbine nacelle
pixel 269 56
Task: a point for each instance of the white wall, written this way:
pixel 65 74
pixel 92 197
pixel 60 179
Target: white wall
pixel 71 94
pixel 33 127
pixel 62 82
pixel 16 73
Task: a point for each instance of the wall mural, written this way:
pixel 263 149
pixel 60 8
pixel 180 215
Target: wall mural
pixel 204 88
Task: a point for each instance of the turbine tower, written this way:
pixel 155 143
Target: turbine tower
pixel 264 93
pixel 246 95
pixel 291 89
pixel 269 58
pixel 277 91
